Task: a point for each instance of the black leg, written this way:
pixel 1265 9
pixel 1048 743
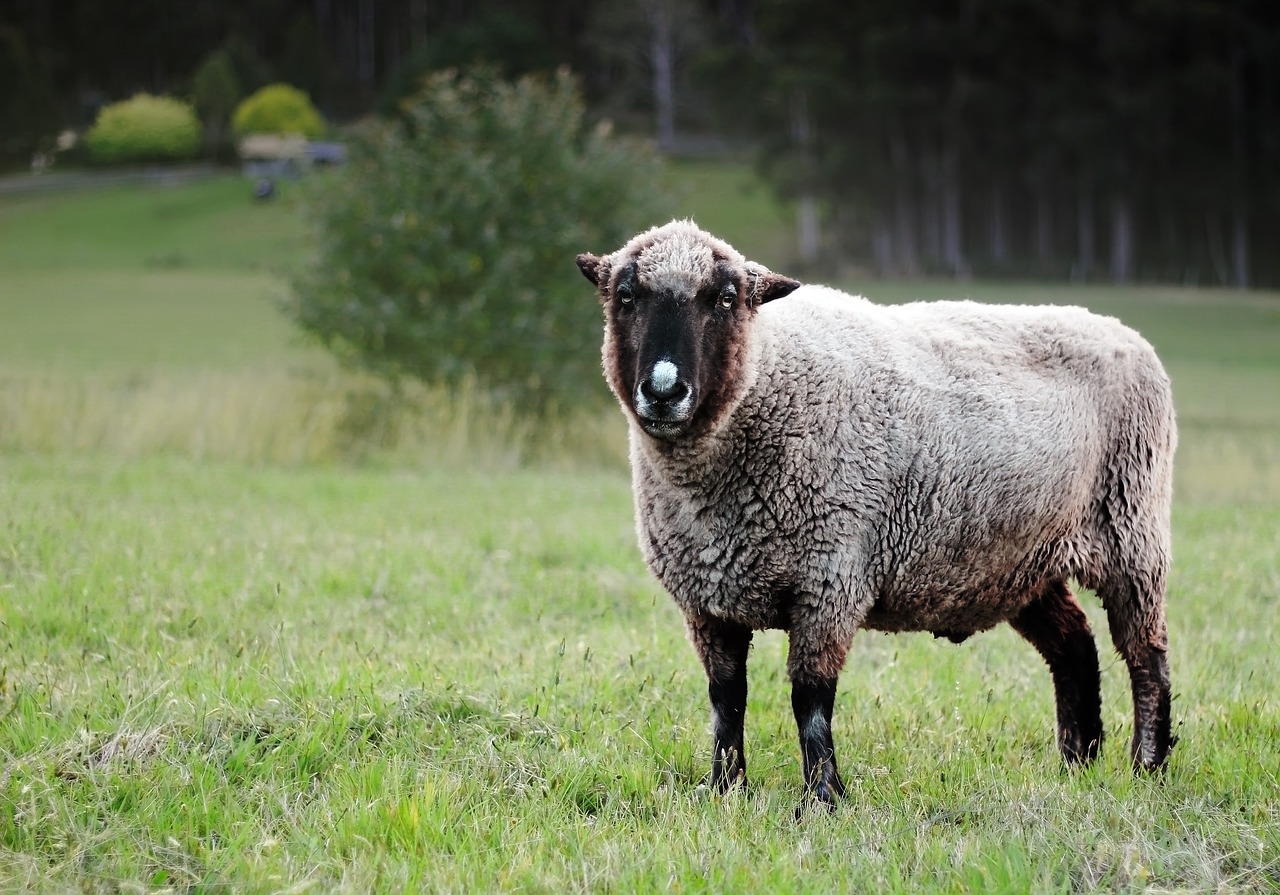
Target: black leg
pixel 723 648
pixel 1135 614
pixel 816 655
pixel 1057 627
pixel 813 702
pixel 1149 676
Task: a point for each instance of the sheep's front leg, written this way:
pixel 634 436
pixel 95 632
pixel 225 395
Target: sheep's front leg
pixel 722 646
pixel 814 668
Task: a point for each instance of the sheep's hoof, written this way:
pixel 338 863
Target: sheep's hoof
pixel 825 795
pixel 1151 759
pixel 722 783
pixel 823 802
pixel 1152 767
pixel 1076 752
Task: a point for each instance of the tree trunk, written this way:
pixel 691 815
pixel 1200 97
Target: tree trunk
pixel 324 18
pixel 662 56
pixel 366 39
pixel 996 231
pixel 809 228
pixel 906 255
pixel 1217 251
pixel 418 18
pixel 1121 239
pixel 736 15
pixel 930 211
pixel 807 220
pixel 952 222
pixel 1044 223
pixel 882 250
pixel 1240 246
pixel 1083 268
pixel 1239 170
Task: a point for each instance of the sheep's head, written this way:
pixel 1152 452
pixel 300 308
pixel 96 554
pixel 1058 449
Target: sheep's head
pixel 678 304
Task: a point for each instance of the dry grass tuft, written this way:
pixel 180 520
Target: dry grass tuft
pixel 292 418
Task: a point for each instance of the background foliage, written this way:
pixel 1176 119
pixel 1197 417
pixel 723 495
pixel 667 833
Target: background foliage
pixel 144 128
pixel 277 109
pixel 1020 138
pixel 447 241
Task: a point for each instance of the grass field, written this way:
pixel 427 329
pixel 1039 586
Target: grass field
pixel 233 662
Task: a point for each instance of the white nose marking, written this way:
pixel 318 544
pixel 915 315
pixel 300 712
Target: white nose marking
pixel 663 378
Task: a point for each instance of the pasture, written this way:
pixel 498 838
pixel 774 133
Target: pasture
pixel 264 630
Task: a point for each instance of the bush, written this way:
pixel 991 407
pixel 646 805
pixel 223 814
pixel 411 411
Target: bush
pixel 278 109
pixel 447 242
pixel 144 129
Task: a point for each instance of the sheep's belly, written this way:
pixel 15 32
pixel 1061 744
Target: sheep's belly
pixel 958 608
pixel 950 615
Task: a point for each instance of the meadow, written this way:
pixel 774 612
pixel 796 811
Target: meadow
pixel 266 629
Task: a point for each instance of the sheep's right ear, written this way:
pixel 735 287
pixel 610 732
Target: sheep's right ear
pixel 593 268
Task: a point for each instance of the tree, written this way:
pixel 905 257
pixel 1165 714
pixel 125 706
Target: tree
pixel 216 91
pixel 1123 140
pixel 28 106
pixel 648 47
pixel 511 44
pixel 447 241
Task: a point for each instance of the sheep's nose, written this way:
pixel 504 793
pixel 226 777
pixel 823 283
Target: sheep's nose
pixel 664 383
pixel 664 395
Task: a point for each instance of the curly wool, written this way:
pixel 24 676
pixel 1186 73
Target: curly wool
pixel 924 467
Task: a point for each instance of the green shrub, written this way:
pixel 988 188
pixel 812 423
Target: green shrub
pixel 144 129
pixel 447 242
pixel 278 109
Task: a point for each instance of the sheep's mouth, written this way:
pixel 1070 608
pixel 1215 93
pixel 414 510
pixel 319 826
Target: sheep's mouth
pixel 665 429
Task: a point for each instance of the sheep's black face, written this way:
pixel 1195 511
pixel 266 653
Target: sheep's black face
pixel 677 315
pixel 670 340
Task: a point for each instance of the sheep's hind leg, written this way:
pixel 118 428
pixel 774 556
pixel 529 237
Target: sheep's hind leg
pixel 1149 675
pixel 723 647
pixel 1057 627
pixel 1135 614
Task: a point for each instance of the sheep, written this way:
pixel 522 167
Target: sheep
pixel 821 464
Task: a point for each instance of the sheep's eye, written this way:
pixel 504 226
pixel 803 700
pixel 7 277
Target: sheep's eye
pixel 624 293
pixel 727 295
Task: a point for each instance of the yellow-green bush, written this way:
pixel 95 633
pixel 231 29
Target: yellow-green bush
pixel 143 129
pixel 278 109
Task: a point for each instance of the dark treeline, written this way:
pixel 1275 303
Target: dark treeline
pixel 1092 139
pixel 1130 140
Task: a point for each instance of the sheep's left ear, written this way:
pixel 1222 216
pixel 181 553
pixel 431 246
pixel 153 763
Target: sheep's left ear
pixel 767 285
pixel 593 268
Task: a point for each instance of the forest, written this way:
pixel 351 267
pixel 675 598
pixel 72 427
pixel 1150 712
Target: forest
pixel 1114 141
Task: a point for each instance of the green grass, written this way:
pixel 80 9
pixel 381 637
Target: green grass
pixel 210 225
pixel 377 681
pixel 231 659
pixel 129 280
